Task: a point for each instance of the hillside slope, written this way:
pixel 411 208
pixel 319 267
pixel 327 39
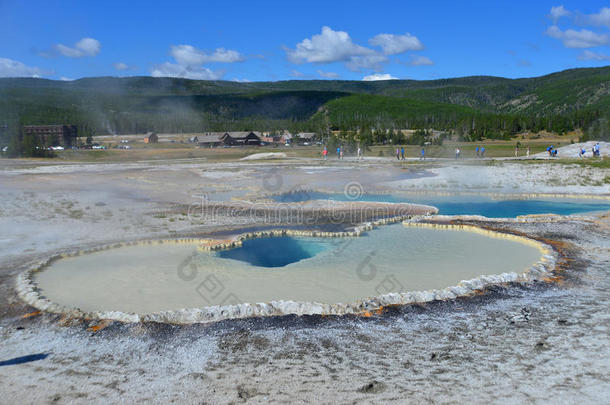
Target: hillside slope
pixel 560 101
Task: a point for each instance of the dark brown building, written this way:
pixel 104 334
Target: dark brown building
pixel 53 135
pixel 230 138
pixel 151 137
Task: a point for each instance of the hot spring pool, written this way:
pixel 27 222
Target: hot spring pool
pixel 160 277
pixel 469 204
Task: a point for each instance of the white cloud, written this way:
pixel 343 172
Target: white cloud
pixel 557 12
pixel 589 55
pixel 66 79
pixel 396 44
pixel 328 75
pixel 84 47
pixel 120 66
pixel 13 68
pixel 379 76
pixel 241 80
pixel 189 60
pixel 187 72
pixel 188 55
pixel 578 39
pixel 337 46
pixel 601 18
pixel 327 47
pixel 420 61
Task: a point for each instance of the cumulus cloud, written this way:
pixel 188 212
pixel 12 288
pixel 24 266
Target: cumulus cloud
pixel 328 75
pixel 189 61
pixel 84 47
pixel 187 72
pixel 420 61
pixel 578 39
pixel 590 55
pixel 601 18
pixel 327 47
pixel 13 68
pixel 557 12
pixel 395 44
pixel 335 46
pixel 379 76
pixel 188 55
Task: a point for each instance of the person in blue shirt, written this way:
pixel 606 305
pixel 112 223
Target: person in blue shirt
pixel 477 150
pixel 423 154
pixel 402 152
pixel 482 151
pixel 338 152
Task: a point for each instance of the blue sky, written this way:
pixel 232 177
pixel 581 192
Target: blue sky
pixel 282 40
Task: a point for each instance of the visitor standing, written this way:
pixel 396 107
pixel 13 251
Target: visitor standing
pixel 423 154
pixel 325 152
pixel 457 153
pixel 338 152
pixel 397 154
pixel 527 152
pixel 517 151
pixel 402 152
pixel 359 153
pixel 482 151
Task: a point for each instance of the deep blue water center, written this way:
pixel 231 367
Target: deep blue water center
pixel 275 251
pixel 469 205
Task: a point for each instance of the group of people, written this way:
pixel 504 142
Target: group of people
pixel 340 153
pixel 552 151
pixel 594 150
pixel 479 151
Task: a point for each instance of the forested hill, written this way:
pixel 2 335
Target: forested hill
pixel 483 105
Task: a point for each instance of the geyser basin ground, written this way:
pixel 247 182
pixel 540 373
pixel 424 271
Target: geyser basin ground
pixel 468 204
pixel 162 277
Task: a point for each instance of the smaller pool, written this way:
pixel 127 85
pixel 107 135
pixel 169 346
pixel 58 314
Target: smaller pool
pixel 283 251
pixel 469 204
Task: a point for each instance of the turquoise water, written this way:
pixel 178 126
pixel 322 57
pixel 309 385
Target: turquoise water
pixel 280 252
pixel 157 277
pixel 469 205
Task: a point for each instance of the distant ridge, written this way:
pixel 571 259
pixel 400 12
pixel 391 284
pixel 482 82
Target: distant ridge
pixel 110 104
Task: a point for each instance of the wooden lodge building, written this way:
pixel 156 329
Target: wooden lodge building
pixel 213 139
pixel 53 135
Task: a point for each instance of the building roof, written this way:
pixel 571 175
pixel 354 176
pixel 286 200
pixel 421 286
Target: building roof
pixel 211 137
pixel 242 134
pixel 306 135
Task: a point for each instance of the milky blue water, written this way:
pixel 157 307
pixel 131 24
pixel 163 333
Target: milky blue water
pixel 469 205
pixel 157 277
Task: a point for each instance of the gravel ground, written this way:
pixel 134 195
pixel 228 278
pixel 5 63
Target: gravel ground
pixel 545 343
